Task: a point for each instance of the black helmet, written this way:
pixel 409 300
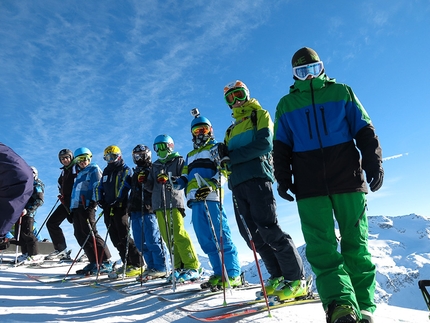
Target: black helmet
pixel 141 155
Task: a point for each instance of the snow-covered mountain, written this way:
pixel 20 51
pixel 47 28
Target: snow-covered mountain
pixel 400 248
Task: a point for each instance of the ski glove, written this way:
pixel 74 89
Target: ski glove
pixel 283 192
pixel 70 217
pixel 375 178
pixel 101 203
pixel 162 178
pixel 202 193
pixel 220 154
pixel 142 176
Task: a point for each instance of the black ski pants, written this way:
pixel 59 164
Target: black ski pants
pixel 54 229
pixel 276 248
pixel 116 220
pixel 27 239
pixel 82 231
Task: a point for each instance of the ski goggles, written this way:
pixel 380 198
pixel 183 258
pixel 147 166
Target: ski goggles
pixel 163 146
pixel 110 158
pixel 200 129
pixel 138 156
pixel 233 96
pixel 303 71
pixel 83 158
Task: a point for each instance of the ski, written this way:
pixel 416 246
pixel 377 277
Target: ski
pixel 197 294
pixel 252 310
pixel 63 278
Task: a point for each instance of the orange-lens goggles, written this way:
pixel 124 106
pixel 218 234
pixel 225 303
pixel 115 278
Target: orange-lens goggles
pixel 201 129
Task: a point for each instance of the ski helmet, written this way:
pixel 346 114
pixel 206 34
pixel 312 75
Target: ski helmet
pixel 236 85
pixel 166 139
pixel 35 172
pixel 112 154
pixel 83 151
pixel 65 152
pixel 201 129
pixel 141 155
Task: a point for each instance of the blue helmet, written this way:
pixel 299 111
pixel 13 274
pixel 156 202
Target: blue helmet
pixel 83 151
pixel 166 139
pixel 200 120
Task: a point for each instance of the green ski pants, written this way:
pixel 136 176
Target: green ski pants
pixel 184 252
pixel 346 276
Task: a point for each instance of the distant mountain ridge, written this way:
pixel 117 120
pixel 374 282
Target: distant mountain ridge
pixel 400 248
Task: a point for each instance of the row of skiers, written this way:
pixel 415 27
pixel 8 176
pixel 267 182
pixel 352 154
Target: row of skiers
pixel 322 148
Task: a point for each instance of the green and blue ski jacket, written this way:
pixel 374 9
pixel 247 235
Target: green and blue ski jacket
pixel 318 127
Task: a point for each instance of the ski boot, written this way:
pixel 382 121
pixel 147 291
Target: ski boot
pixel 291 290
pixel 269 286
pixel 340 314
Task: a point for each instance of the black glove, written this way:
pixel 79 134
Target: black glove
pixel 115 203
pixel 283 192
pixel 92 204
pixel 219 153
pixel 375 178
pixel 4 243
pixel 202 193
pixel 70 217
pixel 101 203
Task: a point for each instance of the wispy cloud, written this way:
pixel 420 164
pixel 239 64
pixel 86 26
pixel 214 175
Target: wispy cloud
pixel 394 156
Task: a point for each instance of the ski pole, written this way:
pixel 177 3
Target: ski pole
pixel 47 218
pixel 142 234
pixel 94 243
pixel 17 239
pixel 127 247
pixel 172 243
pixel 224 273
pixel 82 247
pixel 422 285
pixel 103 250
pixel 251 242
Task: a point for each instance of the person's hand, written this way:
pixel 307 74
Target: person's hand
pixel 375 178
pixel 70 217
pixel 101 203
pixel 115 203
pixel 202 193
pixel 283 192
pixel 219 154
pixel 142 176
pixel 24 212
pixel 162 178
pixel 61 198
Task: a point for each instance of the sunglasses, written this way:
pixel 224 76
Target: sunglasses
pixel 201 129
pixel 233 96
pixel 65 157
pixel 302 72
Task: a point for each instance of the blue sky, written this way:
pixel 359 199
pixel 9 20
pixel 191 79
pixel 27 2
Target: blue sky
pixel 97 73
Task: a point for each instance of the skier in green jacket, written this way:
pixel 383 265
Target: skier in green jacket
pixel 318 127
